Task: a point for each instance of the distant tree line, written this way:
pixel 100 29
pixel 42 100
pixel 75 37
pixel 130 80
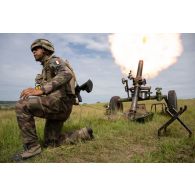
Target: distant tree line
pixel 7 102
pixel 7 105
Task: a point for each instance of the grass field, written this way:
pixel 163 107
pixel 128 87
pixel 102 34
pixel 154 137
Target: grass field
pixel 116 138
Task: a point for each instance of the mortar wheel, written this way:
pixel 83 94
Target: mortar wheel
pixel 115 105
pixel 172 99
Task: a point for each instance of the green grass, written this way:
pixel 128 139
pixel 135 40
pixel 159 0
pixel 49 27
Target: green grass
pixel 116 138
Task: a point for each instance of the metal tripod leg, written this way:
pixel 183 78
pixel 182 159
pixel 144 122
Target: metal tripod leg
pixel 174 115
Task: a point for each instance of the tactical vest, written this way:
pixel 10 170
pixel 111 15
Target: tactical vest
pixel 48 74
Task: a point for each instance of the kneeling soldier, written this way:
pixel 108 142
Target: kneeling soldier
pixel 53 100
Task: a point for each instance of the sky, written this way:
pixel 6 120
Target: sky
pixel 91 58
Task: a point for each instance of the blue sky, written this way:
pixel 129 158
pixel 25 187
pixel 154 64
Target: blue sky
pixel 91 58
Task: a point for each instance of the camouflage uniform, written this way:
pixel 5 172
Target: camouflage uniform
pixel 57 81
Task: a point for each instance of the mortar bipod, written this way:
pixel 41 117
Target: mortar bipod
pixel 174 115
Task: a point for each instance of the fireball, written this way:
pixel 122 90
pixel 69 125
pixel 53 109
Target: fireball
pixel 158 51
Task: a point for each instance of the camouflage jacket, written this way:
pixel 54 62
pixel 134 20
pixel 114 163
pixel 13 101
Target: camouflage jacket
pixel 57 77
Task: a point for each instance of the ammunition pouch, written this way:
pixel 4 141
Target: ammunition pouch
pixel 39 79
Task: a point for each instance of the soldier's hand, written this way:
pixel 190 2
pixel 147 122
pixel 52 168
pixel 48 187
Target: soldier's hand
pixel 30 92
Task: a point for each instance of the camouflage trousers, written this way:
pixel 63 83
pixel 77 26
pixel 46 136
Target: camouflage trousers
pixel 54 110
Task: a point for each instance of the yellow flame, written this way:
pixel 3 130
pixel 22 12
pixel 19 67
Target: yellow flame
pixel 144 39
pixel 159 51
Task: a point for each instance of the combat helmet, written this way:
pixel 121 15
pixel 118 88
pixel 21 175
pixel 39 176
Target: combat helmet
pixel 44 43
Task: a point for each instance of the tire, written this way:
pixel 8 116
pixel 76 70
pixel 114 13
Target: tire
pixel 115 105
pixel 172 99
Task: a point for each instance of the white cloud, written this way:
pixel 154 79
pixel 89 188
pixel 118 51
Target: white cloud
pixel 97 42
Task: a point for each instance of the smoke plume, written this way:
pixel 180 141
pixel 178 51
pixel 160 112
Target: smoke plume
pixel 159 51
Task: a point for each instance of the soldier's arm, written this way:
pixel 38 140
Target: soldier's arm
pixel 63 75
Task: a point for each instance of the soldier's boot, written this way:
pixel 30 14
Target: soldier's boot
pixel 90 132
pixel 78 135
pixel 85 133
pixel 29 151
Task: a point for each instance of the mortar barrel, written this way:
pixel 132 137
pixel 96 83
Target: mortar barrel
pixel 140 68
